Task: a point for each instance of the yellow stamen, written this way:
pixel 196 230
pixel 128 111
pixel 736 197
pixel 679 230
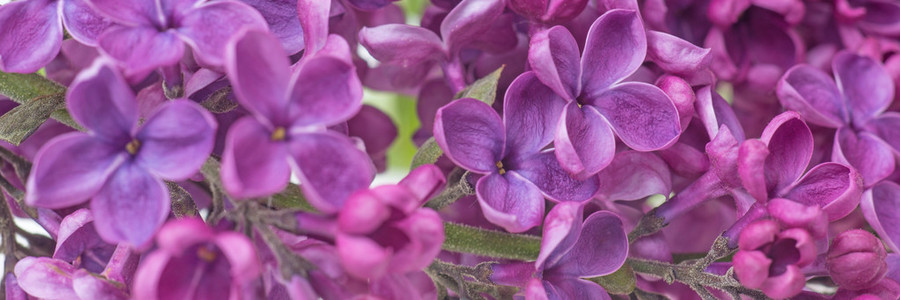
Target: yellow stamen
pixel 278 134
pixel 500 168
pixel 133 146
pixel 206 254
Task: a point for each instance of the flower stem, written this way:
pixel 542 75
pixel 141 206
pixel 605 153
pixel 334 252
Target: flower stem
pixel 469 239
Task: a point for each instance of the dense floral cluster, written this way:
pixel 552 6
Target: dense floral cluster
pixel 568 149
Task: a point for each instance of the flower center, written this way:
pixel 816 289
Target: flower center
pixel 206 254
pixel 500 168
pixel 133 146
pixel 278 134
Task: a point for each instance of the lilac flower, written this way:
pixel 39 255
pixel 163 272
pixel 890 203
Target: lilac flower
pixel 48 278
pixel 599 102
pixel 879 208
pixel 855 260
pixel 194 262
pixel 854 103
pixel 283 20
pixel 152 34
pixel 121 165
pixel 769 258
pixel 287 129
pixel 79 244
pixel 508 152
pixel 570 250
pixel 386 231
pixel 31 31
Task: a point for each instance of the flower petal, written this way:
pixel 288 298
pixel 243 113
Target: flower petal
pixel 83 22
pixel 634 175
pixel 30 35
pixel 178 235
pixel 869 155
pixel 281 15
pixel 253 165
pixel 887 127
pixel 176 140
pixel 227 17
pixel 641 115
pixel 834 187
pixel 866 84
pixel 554 182
pixel 530 114
pixel 89 286
pixel 469 20
pixel 879 206
pixel 45 278
pixel 574 289
pixel 141 49
pixel 425 229
pixel 615 47
pixel 131 206
pixel 362 257
pixel 562 227
pixel 100 100
pixel 330 168
pixel 259 72
pixel 675 55
pixel 584 141
pixel 601 249
pixel 881 17
pixel 510 201
pixel 401 44
pixel 814 95
pixel 325 91
pixel 241 254
pixel 471 134
pixel 790 145
pixel 130 12
pixel 314 16
pixel 58 181
pixel 424 182
pixel 554 56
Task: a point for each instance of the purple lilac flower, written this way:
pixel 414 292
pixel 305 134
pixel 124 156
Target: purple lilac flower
pixel 193 261
pixel 855 104
pixel 599 102
pixel 31 31
pixel 508 151
pixel 571 249
pixel 290 111
pixel 152 34
pixel 120 160
pixel 769 258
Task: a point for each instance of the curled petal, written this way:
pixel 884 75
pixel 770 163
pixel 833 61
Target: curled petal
pixel 58 181
pixel 100 100
pixel 176 140
pixel 253 165
pixel 786 285
pixel 814 95
pixel 553 55
pixel 834 187
pixel 510 201
pixel 330 168
pixel 615 47
pixel 867 86
pixel 573 288
pixel 46 278
pixel 471 134
pixel 83 22
pixel 584 141
pixel 530 113
pixel 751 268
pixel 401 44
pixel 641 115
pixel 600 250
pixel 790 145
pixel 871 156
pixel 675 55
pixel 881 17
pixel 227 17
pixel 562 227
pixel 177 236
pixel 426 231
pixel 259 72
pixel 469 20
pixel 130 207
pixel 325 91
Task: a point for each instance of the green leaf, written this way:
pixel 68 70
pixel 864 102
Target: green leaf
pixel 24 87
pixel 468 239
pixel 484 89
pixel 291 197
pixel 23 120
pixel 427 154
pixel 620 282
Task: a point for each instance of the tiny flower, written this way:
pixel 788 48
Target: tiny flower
pixel 770 258
pixel 855 260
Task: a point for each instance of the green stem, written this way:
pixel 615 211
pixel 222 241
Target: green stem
pixel 468 239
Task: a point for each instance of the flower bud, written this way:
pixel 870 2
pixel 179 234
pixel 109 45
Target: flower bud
pixel 856 260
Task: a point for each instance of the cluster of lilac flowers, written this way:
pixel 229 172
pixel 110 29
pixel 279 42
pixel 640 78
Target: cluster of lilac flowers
pixel 568 149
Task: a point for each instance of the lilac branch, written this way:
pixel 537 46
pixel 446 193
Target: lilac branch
pixel 694 277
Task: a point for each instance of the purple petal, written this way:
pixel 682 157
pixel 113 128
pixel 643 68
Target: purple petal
pixel 634 175
pixel 30 35
pixel 432 96
pixel 866 84
pixel 510 201
pixel 401 44
pixel 313 16
pixel 424 181
pixel 562 227
pixel 584 142
pixel 141 49
pixel 45 278
pixel 814 95
pixel 880 208
pixel 259 72
pixel 78 241
pixel 641 115
pixel 362 257
pixel 675 55
pixel 880 17
pixel 83 22
pixel 568 288
pixel 58 181
pixel 176 140
pixel 467 21
pixel 426 232
pixel 180 234
pixel 130 207
pixel 330 168
pixel 834 187
pixel 281 15
pixel 554 182
pixel 326 91
pixel 864 151
pixel 89 286
pixel 615 48
pixel 130 12
pixel 241 255
pixel 887 127
pixel 751 166
pixel 554 56
pixel 790 149
pixel 227 17
pixel 253 165
pixel 530 114
pixel 600 250
pixel 471 134
pixel 100 100
pixel 377 131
